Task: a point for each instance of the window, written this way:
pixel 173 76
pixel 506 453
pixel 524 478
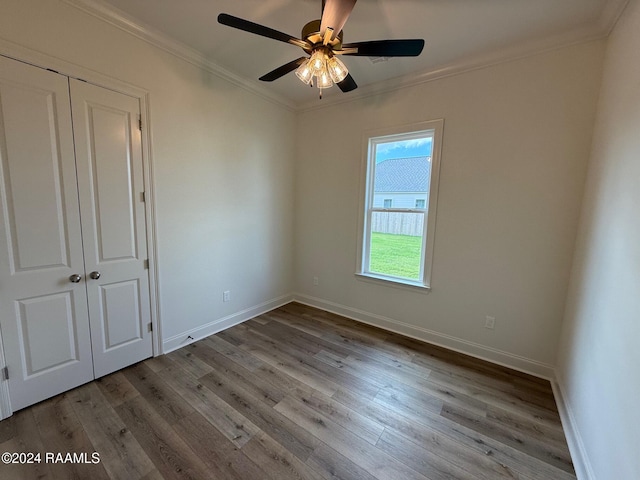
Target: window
pixel 400 171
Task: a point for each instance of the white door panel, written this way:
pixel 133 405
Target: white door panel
pixel 43 316
pixel 110 178
pixel 117 301
pixel 47 320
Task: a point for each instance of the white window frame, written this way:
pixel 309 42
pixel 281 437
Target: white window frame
pixel 372 138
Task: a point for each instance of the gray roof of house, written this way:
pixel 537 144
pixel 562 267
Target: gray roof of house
pixel 403 175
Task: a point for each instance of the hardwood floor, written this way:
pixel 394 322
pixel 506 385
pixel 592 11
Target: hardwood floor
pixel 299 393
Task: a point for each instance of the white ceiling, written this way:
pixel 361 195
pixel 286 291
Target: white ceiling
pixel 454 31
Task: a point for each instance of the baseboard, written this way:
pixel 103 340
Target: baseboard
pixel 506 359
pixel 198 333
pixel 577 449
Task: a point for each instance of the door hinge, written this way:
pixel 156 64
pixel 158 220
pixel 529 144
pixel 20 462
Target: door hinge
pixel 5 373
pixel 143 197
pixel 150 325
pixel 146 264
pixel 140 122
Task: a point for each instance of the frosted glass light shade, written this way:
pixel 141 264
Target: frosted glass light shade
pixel 323 79
pixel 304 72
pixel 317 61
pixel 337 69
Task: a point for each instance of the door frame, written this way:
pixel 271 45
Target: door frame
pixel 42 60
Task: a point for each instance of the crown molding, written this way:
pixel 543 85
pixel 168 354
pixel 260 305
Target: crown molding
pixel 584 34
pixel 598 29
pixel 121 20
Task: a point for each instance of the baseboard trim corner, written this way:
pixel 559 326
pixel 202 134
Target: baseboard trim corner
pixel 499 357
pixel 581 462
pixel 182 339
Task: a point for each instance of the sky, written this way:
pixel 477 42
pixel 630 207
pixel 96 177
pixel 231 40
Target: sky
pixel 420 147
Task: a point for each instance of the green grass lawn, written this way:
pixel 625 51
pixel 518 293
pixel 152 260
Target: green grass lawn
pixel 397 255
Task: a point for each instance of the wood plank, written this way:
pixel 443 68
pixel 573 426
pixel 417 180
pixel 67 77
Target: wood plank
pixel 505 401
pixel 526 426
pixel 296 328
pixel 504 461
pixel 120 453
pixel 171 455
pixel 61 432
pixel 116 388
pixel 227 420
pixel 542 450
pixel 160 396
pixel 261 319
pixel 425 353
pixel 291 367
pixel 223 459
pixel 420 459
pixel 305 356
pixel 298 441
pixel 233 352
pixel 497 389
pixel 371 459
pixel 7 429
pixel 414 385
pixel 27 439
pixel 224 368
pixel 157 363
pixel 368 339
pixel 404 401
pixel 190 362
pixel 332 465
pixel 276 461
pixel 349 419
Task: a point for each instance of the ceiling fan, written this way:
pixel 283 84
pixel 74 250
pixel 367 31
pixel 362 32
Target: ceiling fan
pixel 322 41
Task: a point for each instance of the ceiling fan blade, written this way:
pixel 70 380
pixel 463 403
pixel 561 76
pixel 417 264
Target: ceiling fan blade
pixel 386 48
pixel 283 70
pixel 247 26
pixel 335 15
pixel 347 84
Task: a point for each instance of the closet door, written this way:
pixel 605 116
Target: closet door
pixel 43 300
pixel 110 179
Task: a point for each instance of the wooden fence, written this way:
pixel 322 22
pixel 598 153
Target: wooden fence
pixel 398 223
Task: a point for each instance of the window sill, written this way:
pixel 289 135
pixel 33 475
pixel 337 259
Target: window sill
pixel 394 282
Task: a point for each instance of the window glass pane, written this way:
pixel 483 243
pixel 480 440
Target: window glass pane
pixel 402 171
pixel 396 244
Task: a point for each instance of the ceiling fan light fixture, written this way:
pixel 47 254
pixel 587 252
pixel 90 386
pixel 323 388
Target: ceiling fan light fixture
pixel 337 70
pixel 317 61
pixel 320 41
pixel 323 80
pixel 304 72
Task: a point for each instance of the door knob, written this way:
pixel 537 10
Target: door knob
pixel 95 275
pixel 75 278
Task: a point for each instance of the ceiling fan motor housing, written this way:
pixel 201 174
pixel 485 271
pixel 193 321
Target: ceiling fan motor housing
pixel 311 33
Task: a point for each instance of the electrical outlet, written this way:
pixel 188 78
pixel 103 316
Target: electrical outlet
pixel 226 295
pixel 489 322
pixel 316 281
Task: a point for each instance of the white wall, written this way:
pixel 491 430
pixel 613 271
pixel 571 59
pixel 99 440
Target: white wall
pixel 222 160
pixel 599 360
pixel 515 149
